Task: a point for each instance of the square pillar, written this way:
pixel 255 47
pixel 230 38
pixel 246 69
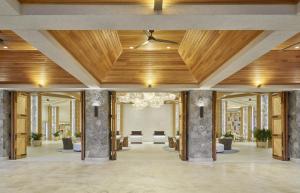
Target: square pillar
pixel 97 124
pixel 5 110
pixel 200 128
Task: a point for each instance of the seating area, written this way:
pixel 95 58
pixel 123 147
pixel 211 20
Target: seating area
pixel 159 137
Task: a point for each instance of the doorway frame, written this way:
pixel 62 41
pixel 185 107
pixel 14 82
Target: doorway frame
pixel 285 134
pixel 13 114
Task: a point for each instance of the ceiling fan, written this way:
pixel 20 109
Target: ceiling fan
pixel 151 38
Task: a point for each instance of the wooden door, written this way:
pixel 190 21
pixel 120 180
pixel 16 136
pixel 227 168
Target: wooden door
pixel 20 124
pixel 113 125
pixel 279 126
pixel 183 154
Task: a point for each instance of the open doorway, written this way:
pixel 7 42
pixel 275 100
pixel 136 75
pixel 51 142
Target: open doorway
pixel 46 126
pixel 250 127
pixel 148 125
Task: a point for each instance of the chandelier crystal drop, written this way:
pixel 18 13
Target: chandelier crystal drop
pixel 151 99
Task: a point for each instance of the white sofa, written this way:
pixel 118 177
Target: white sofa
pixel 136 137
pixel 159 137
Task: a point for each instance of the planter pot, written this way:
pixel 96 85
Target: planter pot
pixel 36 143
pixel 227 142
pixel 262 144
pixel 56 138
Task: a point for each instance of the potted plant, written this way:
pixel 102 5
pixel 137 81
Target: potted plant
pixel 226 140
pixel 36 139
pixel 56 135
pixel 78 136
pixel 261 136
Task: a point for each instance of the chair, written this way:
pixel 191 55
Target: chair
pixel 176 143
pixel 67 143
pixel 125 142
pixel 171 142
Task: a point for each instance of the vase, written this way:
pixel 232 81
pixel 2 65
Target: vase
pixel 36 143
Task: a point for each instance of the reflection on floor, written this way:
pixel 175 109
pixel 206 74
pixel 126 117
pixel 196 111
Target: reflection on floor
pixel 246 152
pixel 152 172
pixel 148 151
pixel 51 151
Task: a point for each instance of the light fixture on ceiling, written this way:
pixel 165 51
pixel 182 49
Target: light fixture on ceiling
pixel 158 5
pixel 142 100
pixel 297 47
pixel 131 47
pixel 3 44
pixel 168 47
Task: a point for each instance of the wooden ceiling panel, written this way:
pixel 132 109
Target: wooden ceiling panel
pixel 10 41
pixel 96 50
pixel 205 51
pixel 31 67
pixel 133 38
pixel 291 44
pixel 274 68
pixel 155 67
pixel 166 1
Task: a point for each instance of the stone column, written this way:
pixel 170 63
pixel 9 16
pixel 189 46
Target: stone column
pixel 97 127
pixel 5 110
pixel 200 129
pixel 294 124
pixel 265 111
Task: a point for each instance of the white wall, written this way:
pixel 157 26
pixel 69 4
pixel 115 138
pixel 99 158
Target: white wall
pixel 148 120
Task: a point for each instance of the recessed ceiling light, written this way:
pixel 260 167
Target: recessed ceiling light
pixel 297 47
pixel 5 47
pixel 168 47
pixel 131 47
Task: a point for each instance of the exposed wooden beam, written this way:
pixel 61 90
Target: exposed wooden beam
pixel 10 7
pixel 258 47
pixel 46 44
pixel 234 17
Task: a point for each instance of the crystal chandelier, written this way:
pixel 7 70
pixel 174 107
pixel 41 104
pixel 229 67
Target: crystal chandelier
pixel 142 100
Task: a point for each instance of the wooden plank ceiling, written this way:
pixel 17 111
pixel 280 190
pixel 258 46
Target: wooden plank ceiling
pixel 111 56
pixel 280 66
pixel 150 67
pixel 166 1
pixel 20 63
pixel 205 51
pixel 96 50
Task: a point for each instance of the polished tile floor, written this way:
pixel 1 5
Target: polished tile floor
pixel 150 169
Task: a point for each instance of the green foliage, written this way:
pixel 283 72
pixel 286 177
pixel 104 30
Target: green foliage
pixel 263 135
pixel 56 134
pixel 228 134
pixel 36 136
pixel 78 134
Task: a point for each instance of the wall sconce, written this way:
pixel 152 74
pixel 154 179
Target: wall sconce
pixel 200 104
pixel 96 104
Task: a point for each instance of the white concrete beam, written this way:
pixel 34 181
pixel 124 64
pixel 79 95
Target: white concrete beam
pixel 155 88
pixel 46 44
pixel 10 7
pixel 230 17
pixel 258 47
pixel 263 88
pixel 53 87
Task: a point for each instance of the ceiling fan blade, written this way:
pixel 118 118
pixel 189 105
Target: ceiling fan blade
pixel 165 41
pixel 143 44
